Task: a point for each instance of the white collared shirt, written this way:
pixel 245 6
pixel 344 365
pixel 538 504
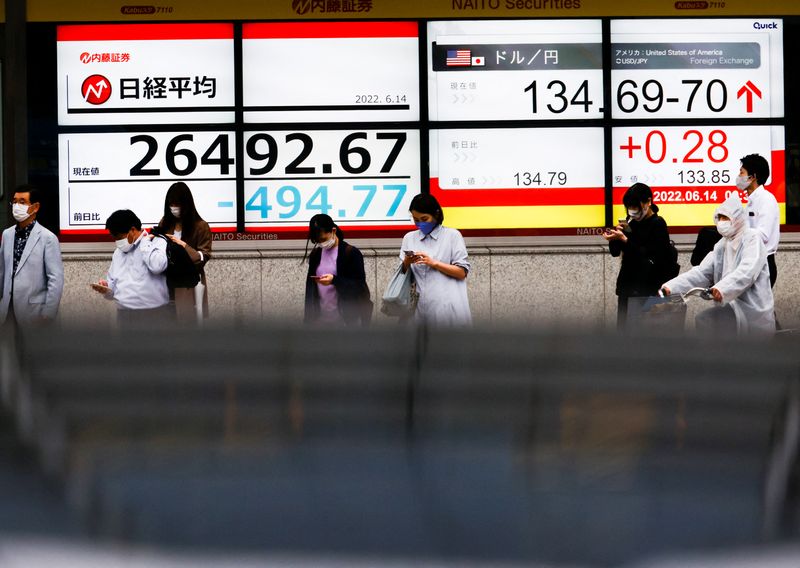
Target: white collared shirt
pixel 763 215
pixel 136 278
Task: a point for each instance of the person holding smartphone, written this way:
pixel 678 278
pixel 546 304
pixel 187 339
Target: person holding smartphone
pixel 336 286
pixel 183 225
pixel 642 239
pixel 437 256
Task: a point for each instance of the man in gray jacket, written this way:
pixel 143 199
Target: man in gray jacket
pixel 31 272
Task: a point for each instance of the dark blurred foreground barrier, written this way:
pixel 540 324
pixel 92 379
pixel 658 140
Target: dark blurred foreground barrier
pixel 501 414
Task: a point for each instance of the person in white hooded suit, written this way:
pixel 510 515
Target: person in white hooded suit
pixel 737 272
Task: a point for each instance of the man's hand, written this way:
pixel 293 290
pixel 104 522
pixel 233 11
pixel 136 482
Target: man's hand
pixel 716 294
pixel 101 287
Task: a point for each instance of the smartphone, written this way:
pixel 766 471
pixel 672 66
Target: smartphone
pixel 622 221
pixel 409 252
pixel 315 277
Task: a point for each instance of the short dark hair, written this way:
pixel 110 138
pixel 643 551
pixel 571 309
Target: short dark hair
pixel 35 194
pixel 427 203
pixel 756 165
pixel 637 194
pixel 322 222
pixel 316 225
pixel 122 221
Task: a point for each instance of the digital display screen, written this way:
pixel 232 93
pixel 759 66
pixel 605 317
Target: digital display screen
pixel 315 74
pixel 360 178
pixel 330 72
pixel 697 68
pixel 145 74
pixel 270 123
pixel 691 170
pixel 515 70
pixel 519 177
pixel 103 172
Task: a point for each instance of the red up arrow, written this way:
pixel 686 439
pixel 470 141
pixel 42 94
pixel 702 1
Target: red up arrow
pixel 749 89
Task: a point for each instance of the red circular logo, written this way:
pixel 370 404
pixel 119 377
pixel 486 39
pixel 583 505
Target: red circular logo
pixel 96 89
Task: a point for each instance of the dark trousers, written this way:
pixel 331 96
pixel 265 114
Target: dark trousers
pixel 146 318
pixel 773 270
pixel 622 311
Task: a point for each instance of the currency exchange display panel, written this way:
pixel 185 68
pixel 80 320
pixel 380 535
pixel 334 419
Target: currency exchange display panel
pixel 511 178
pixel 499 72
pixel 515 70
pixel 722 79
pixel 697 68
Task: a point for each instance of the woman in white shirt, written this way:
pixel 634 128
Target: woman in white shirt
pixel 437 257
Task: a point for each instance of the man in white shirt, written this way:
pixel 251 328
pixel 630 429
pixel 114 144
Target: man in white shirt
pixel 136 279
pixel 762 208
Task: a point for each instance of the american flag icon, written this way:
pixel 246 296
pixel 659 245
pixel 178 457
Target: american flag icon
pixel 458 57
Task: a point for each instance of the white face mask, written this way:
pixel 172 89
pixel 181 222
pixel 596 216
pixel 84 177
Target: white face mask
pixel 20 212
pixel 123 244
pixel 176 212
pixel 638 215
pixel 743 182
pixel 725 228
pixel 329 243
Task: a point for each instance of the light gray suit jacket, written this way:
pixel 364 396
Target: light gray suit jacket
pixel 39 280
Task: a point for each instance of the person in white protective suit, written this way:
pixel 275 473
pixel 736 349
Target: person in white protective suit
pixel 738 274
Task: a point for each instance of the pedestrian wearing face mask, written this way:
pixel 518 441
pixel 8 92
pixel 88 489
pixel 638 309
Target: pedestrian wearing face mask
pixel 336 284
pixel 183 225
pixel 31 271
pixel 762 210
pixel 643 241
pixel 136 280
pixel 437 256
pixel 737 272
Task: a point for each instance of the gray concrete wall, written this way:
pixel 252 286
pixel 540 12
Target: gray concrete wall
pixel 571 285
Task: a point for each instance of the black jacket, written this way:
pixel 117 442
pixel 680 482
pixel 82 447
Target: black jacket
pixel 350 282
pixel 707 237
pixel 645 257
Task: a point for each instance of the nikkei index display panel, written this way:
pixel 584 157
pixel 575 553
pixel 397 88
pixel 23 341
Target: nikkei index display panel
pixel 328 123
pixel 723 80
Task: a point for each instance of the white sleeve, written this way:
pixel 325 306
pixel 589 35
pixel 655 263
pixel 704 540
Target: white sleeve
pixel 741 278
pixel 154 252
pixel 460 257
pixel 701 275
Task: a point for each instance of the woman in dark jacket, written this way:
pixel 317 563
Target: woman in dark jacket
pixel 336 287
pixel 643 241
pixel 183 225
